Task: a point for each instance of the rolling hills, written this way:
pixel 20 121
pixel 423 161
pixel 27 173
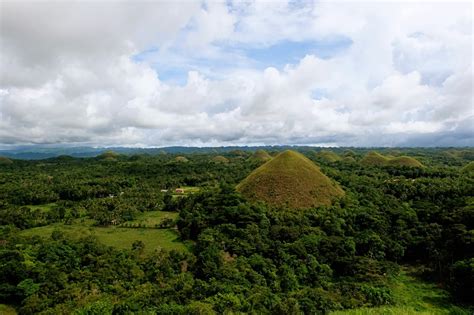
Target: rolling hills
pixel 376 159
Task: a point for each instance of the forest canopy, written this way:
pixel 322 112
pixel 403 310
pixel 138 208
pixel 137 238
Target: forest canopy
pixel 170 234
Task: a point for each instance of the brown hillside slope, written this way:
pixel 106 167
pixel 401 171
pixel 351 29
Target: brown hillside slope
pixel 220 159
pixel 5 161
pixel 405 161
pixel 328 156
pixel 260 156
pixel 290 179
pixel 374 158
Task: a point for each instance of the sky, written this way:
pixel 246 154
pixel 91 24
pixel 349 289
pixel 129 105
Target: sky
pixel 211 73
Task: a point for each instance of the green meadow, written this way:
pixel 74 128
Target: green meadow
pixel 151 219
pixel 412 295
pixel 43 208
pixel 118 237
pixel 7 310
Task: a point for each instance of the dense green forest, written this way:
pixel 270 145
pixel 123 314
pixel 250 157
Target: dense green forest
pixel 168 233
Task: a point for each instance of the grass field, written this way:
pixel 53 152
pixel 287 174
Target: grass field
pixel 152 218
pixel 7 310
pixel 117 237
pixel 412 296
pixel 43 208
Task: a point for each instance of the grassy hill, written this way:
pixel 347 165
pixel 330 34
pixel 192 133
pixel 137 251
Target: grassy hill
pixel 5 161
pixel 290 179
pixel 260 156
pixel 220 159
pixel 374 158
pixel 405 161
pixel 349 159
pixel 377 159
pixel 108 156
pixel 350 153
pixel 328 156
pixel 181 159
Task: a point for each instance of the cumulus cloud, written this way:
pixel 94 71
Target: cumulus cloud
pixel 96 73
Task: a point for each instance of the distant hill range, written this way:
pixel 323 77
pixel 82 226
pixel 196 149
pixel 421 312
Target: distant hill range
pixel 37 153
pixel 42 152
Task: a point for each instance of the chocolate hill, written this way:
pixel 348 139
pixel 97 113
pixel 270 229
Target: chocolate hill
pixel 290 179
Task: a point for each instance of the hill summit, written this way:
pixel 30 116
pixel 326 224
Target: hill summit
pixel 405 161
pixel 290 179
pixel 220 159
pixel 374 158
pixel 108 156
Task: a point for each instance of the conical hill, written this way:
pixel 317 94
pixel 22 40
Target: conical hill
pixel 329 156
pixel 290 179
pixel 374 158
pixel 377 159
pixel 5 161
pixel 260 156
pixel 405 161
pixel 220 159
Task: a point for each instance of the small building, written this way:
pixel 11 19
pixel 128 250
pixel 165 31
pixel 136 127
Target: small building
pixel 164 190
pixel 179 191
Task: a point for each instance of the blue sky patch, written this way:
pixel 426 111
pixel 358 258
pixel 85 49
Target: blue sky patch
pixel 291 52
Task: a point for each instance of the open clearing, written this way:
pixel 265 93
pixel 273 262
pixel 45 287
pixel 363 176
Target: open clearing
pixel 121 238
pixel 412 296
pixel 7 310
pixel 152 218
pixel 43 208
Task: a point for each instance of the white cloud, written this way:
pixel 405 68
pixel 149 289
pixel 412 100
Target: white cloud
pixel 68 73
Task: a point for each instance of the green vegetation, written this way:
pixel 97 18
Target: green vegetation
pixel 468 168
pixel 118 237
pixel 292 180
pixel 349 159
pixel 467 154
pixel 411 295
pixel 108 156
pixel 377 159
pixel 151 219
pixel 7 310
pixel 329 156
pixel 238 153
pixel 81 236
pixel 42 208
pixel 188 190
pixel 181 159
pixel 5 161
